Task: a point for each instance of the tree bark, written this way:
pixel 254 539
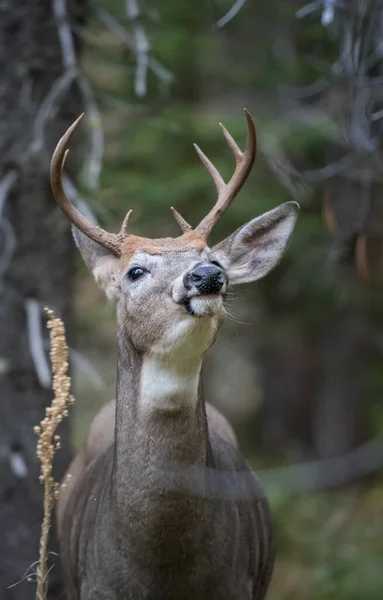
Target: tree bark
pixel 39 268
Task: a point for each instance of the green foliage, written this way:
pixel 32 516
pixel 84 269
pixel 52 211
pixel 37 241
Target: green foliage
pixel 329 546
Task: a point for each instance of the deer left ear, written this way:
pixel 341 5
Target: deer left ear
pixel 101 262
pixel 255 249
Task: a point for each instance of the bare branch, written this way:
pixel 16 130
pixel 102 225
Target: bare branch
pixel 142 51
pixel 50 106
pixel 289 177
pixel 335 168
pixel 33 310
pixel 71 72
pixel 327 473
pixel 360 123
pixel 93 117
pixel 18 464
pixel 9 245
pixel 308 9
pixel 116 28
pixel 65 35
pixel 139 45
pixel 6 185
pixel 305 91
pixel 142 48
pixel 328 12
pixel 230 14
pixel 298 478
pixel 376 116
pixel 128 41
pixel 132 9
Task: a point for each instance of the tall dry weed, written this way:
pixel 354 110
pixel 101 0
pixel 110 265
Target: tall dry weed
pixel 49 441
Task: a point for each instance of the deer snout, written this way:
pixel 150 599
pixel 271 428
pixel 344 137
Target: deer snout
pixel 207 279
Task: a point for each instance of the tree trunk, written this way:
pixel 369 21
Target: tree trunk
pixel 35 264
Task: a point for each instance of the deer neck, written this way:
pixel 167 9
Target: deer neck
pixel 160 425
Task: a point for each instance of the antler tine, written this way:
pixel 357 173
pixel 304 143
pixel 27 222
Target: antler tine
pixel 228 191
pixel 111 241
pixel 125 223
pixel 180 220
pixel 216 176
pixel 231 142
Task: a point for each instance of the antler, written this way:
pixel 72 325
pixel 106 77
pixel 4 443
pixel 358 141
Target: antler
pixel 228 191
pixel 111 241
pixel 180 220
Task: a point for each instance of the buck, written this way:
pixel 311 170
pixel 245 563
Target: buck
pixel 143 516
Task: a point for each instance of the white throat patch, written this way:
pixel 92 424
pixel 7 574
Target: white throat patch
pixel 168 387
pixel 170 373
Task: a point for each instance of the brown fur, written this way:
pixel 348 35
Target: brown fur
pixel 101 436
pixel 190 240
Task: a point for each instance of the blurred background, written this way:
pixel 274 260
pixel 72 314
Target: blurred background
pixel 297 367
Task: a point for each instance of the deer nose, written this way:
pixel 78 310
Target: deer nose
pixel 208 279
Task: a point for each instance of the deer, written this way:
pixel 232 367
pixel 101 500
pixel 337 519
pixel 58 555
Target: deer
pixel 142 517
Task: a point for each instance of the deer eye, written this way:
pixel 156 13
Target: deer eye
pixel 217 264
pixel 135 273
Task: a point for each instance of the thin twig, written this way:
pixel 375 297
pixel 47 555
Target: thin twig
pixel 327 473
pixel 6 229
pixel 36 342
pixel 230 14
pixel 9 245
pixel 328 12
pixel 142 48
pixel 128 41
pixel 95 155
pixel 71 72
pixel 308 9
pixel 6 185
pixel 132 9
pixel 50 106
pixel 26 575
pixel 68 53
pixel 306 91
pixel 142 52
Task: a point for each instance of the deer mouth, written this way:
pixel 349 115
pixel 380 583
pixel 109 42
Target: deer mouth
pixel 203 305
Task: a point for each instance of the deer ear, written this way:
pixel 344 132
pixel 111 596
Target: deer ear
pixel 255 249
pixel 102 262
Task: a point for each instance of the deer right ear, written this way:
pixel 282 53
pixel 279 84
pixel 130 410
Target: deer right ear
pixel 256 248
pixel 101 261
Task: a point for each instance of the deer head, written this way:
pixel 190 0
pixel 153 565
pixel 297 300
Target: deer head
pixel 169 292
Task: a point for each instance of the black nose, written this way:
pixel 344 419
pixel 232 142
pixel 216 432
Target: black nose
pixel 207 279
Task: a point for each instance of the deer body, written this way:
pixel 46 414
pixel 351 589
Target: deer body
pixel 154 509
pixel 141 538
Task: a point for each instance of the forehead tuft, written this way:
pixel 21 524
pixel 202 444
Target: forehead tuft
pixel 188 241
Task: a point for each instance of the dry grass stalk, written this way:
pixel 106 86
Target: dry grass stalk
pixel 49 440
